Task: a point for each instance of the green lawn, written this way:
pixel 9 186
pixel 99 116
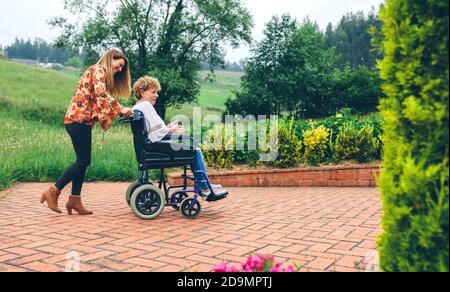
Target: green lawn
pixel 32 151
pixel 23 83
pixel 214 95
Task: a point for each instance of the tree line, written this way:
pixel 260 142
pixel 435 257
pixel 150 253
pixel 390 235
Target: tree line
pixel 38 50
pixel 300 71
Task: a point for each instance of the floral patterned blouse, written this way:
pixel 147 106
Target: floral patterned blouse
pixel 92 103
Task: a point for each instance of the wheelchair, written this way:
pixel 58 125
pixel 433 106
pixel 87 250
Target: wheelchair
pixel 147 200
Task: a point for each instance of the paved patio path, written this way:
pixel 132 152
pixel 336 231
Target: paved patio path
pixel 322 229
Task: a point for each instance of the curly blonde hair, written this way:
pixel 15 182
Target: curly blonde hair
pixel 145 83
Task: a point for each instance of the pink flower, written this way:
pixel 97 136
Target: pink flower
pixel 258 263
pixel 247 268
pixel 224 268
pixel 276 268
pixel 290 269
pixel 232 269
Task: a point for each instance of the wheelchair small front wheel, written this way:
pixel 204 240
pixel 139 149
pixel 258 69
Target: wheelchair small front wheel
pixel 190 212
pixel 179 198
pixel 147 202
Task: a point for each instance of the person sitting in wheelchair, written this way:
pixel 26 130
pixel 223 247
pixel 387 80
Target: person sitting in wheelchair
pixel 146 90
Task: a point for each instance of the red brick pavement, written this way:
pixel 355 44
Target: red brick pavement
pixel 322 229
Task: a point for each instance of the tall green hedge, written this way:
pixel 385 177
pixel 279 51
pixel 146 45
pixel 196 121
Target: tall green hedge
pixel 414 179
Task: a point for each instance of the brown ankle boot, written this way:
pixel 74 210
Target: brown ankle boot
pixel 51 197
pixel 74 203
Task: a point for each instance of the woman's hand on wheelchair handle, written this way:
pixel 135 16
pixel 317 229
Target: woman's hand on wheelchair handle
pixel 126 112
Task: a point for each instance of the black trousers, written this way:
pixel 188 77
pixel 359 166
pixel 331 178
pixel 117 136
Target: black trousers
pixel 81 136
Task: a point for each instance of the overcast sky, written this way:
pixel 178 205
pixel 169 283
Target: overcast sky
pixel 28 19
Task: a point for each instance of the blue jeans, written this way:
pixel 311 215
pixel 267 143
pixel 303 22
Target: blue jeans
pixel 199 164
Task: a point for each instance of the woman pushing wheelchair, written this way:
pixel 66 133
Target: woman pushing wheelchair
pixel 94 103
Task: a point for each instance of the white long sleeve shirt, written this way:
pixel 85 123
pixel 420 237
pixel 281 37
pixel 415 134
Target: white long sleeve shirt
pixel 156 127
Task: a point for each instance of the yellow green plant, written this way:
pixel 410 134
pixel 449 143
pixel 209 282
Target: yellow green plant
pixel 353 144
pixel 289 146
pixel 215 148
pixel 316 144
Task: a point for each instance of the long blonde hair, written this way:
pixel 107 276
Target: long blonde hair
pixel 117 84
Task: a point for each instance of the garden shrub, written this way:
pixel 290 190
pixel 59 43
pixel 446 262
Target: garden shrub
pixel 415 175
pixel 246 157
pixel 216 154
pixel 290 146
pixel 353 144
pixel 316 144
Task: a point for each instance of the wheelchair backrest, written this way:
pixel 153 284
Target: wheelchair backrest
pixel 139 126
pixel 156 155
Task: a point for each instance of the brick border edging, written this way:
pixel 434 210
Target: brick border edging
pixel 326 176
pixel 6 192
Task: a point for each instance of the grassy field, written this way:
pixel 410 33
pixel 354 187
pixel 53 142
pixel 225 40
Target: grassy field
pixel 212 95
pixel 32 151
pixel 33 143
pixel 21 84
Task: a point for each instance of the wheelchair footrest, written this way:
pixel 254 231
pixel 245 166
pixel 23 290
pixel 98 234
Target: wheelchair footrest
pixel 217 197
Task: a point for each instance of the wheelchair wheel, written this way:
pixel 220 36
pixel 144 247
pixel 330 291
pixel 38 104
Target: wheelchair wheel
pixel 131 189
pixel 187 211
pixel 147 202
pixel 179 198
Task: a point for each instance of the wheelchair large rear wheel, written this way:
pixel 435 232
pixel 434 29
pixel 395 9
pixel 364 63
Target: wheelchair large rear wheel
pixel 131 189
pixel 147 202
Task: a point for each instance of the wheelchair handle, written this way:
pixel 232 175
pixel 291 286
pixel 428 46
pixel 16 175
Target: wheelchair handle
pixel 135 117
pixel 125 120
